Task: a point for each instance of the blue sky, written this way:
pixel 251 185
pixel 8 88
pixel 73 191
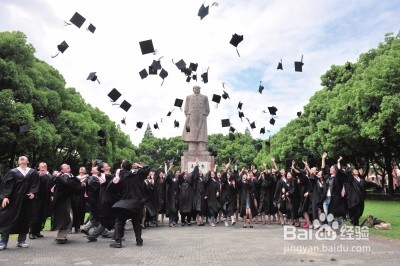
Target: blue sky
pixel 325 32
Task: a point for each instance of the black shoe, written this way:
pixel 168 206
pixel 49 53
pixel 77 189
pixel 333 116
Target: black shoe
pixel 91 239
pixel 116 245
pixel 183 224
pixel 106 236
pixel 61 241
pixel 85 232
pixel 189 223
pixel 139 242
pixel 32 236
pixel 39 235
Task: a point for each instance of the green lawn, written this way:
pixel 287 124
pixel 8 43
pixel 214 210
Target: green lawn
pixel 388 211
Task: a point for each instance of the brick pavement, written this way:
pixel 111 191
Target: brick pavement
pixel 195 245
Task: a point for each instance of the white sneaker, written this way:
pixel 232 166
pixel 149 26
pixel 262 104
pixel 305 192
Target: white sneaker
pixel 233 222
pixel 22 245
pixel 226 223
pixel 2 246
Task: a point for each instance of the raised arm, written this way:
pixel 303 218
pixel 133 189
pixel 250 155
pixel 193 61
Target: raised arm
pixel 274 162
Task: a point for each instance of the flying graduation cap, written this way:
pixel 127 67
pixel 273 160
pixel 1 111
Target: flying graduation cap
pixel 139 125
pixel 178 103
pixel 77 19
pixel 298 65
pixel 125 106
pixel 181 65
pixel 260 88
pixel 156 126
pixel 262 130
pixel 143 73
pixel 123 121
pixel 225 122
pixel 241 115
pixel 114 95
pixel 163 74
pixel 156 65
pixel 203 11
pixel 235 40
pixel 272 110
pixel 61 48
pixel 146 47
pixel 93 77
pixel 216 98
pixel 280 66
pixel 91 28
pixel 204 76
pixel 272 121
pixel 176 123
pixel 240 105
pixel 253 125
pixel 298 114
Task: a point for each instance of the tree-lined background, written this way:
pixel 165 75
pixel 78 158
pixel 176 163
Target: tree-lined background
pixel 354 115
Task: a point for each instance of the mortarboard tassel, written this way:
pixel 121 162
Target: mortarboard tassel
pixel 54 56
pixel 66 23
pixel 237 52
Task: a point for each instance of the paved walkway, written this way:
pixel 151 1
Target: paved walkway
pixel 261 245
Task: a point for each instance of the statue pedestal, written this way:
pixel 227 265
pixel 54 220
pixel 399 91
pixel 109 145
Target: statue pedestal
pixel 188 161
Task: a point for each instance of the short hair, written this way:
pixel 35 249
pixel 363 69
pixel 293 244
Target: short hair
pixel 126 165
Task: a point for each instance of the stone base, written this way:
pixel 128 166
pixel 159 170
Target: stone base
pixel 188 161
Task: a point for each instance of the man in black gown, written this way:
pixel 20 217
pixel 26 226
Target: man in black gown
pixel 17 190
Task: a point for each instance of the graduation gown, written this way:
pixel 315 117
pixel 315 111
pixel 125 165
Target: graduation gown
pixel 292 204
pixel 213 188
pixel 66 185
pixel 228 195
pixel 267 195
pixel 158 198
pixel 107 199
pixel 199 192
pixel 185 195
pixel 149 199
pixel 247 196
pixel 14 218
pixel 79 207
pixel 172 194
pixel 338 202
pixel 41 203
pixel 93 191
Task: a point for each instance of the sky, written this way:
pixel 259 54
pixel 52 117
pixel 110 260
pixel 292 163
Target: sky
pixel 325 33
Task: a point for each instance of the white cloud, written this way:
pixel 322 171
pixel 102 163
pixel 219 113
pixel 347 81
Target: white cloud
pixel 325 32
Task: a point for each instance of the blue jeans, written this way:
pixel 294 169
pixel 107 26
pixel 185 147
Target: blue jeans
pixel 6 235
pixel 325 205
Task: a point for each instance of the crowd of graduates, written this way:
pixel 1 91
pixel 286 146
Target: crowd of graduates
pixel 135 193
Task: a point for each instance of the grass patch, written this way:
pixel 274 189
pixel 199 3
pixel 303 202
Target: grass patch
pixel 388 211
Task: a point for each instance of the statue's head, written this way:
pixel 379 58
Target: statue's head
pixel 196 89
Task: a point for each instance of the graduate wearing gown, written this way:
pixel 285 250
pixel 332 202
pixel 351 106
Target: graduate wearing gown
pixel 17 191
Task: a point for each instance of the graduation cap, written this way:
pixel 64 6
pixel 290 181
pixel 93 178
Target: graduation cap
pixel 240 104
pixel 241 115
pixel 152 71
pixel 102 142
pixel 280 66
pixel 231 136
pixel 143 74
pixel 348 66
pixel 178 103
pixel 232 129
pixel 272 121
pixel 235 40
pixel 77 19
pixel 188 79
pixel 123 121
pixel 225 95
pixel 194 77
pixel 156 126
pixel 272 110
pixel 298 66
pixel 262 130
pixel 93 77
pixel 203 10
pixel 139 125
pixel 253 125
pixel 193 66
pixel 216 98
pixel 91 28
pixel 163 74
pixel 156 65
pixel 225 122
pixel 61 48
pixel 298 114
pixel 260 88
pixel 181 65
pixel 212 152
pixel 114 94
pixel 101 133
pixel 176 123
pixel 267 142
pixel 146 47
pixel 170 112
pixel 125 106
pixel 204 76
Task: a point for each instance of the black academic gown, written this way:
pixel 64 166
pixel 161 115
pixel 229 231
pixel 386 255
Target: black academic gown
pixel 66 185
pixel 93 191
pixel 267 195
pixel 247 194
pixel 213 188
pixel 185 194
pixel 337 206
pixel 293 199
pixel 14 218
pixel 79 207
pixel 41 203
pixel 172 194
pixel 228 195
pixel 107 199
pixel 313 196
pixel 149 196
pixel 199 192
